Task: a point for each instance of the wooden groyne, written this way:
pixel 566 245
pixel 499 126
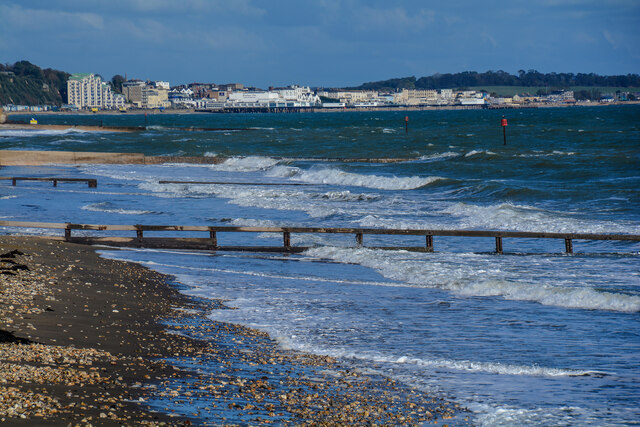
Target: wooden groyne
pixel 93 183
pixel 85 128
pixel 234 183
pixel 37 158
pixel 211 242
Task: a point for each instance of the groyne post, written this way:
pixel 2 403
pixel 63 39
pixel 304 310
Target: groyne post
pixel 568 245
pixel 286 237
pixel 214 239
pixel 429 242
pixel 359 239
pixel 499 245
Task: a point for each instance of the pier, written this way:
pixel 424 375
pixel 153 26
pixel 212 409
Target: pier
pixel 211 242
pixel 93 183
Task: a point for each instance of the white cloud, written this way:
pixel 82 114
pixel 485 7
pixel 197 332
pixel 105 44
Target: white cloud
pixel 242 7
pixel 609 38
pixel 39 20
pixel 394 19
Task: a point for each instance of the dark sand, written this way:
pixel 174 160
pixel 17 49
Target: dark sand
pixel 89 340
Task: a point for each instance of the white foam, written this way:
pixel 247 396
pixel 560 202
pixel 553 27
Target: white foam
pixel 245 164
pixel 466 365
pixel 37 132
pixel 510 216
pixel 473 275
pixel 338 177
pixel 476 152
pixel 7 197
pixel 108 208
pixel 439 156
pixel 551 154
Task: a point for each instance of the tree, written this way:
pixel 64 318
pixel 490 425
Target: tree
pixel 117 81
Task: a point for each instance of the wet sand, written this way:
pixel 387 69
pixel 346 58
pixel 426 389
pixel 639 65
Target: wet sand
pixel 95 341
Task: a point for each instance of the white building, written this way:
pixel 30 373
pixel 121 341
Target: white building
pixel 89 91
pixel 161 85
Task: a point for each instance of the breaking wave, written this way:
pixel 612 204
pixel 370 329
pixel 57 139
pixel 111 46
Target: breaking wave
pixel 338 177
pixel 109 208
pixel 464 278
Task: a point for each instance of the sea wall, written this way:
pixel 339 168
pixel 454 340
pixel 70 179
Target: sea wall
pixel 35 158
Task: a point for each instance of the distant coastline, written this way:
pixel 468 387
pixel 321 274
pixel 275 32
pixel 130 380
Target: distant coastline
pixel 320 109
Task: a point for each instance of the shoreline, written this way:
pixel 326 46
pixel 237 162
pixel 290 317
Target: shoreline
pixel 185 111
pixel 124 345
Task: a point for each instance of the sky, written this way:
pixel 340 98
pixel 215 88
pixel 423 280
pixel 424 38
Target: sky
pixel 320 43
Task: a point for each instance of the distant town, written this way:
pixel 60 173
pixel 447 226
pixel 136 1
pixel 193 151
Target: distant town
pixel 89 92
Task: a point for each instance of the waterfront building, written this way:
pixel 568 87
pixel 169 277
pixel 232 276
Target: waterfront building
pixel 89 91
pixel 155 97
pixel 132 90
pixel 147 94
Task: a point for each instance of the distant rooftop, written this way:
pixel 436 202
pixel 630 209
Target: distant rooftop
pixel 79 76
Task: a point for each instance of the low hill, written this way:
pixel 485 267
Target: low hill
pixel 528 79
pixel 24 83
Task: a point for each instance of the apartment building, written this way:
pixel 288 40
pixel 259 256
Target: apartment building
pixel 146 95
pixel 89 91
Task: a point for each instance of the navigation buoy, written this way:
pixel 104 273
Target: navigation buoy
pixel 504 124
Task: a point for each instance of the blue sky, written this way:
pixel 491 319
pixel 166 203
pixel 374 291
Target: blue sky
pixel 321 42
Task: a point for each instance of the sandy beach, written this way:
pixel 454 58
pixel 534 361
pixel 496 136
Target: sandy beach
pixel 95 341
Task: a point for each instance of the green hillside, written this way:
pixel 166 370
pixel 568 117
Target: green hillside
pixel 24 83
pixel 533 90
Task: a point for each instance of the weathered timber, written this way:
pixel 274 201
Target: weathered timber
pixel 93 183
pixel 212 241
pixel 231 183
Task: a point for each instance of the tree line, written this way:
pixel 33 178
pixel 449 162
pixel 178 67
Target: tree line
pixel 529 78
pixel 24 83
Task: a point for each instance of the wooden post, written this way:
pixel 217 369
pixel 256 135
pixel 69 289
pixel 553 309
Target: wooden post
pixel 359 239
pixel 214 238
pixel 498 245
pixel 55 182
pixel 287 240
pixel 13 182
pixel 429 238
pixel 568 245
pixel 139 232
pixel 67 233
pixel 93 183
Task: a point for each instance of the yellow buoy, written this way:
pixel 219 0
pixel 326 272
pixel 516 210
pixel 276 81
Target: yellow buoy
pixel 33 121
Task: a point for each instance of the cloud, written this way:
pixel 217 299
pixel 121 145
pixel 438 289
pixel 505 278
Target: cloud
pixel 242 7
pixel 41 20
pixel 396 19
pixel 609 38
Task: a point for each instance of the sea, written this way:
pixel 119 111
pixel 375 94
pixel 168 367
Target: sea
pixel 534 336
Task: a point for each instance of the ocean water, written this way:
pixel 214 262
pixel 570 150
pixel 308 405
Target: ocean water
pixel 531 337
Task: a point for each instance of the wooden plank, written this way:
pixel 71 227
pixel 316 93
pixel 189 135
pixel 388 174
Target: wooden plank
pixel 334 230
pixel 93 183
pixel 233 183
pixel 27 224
